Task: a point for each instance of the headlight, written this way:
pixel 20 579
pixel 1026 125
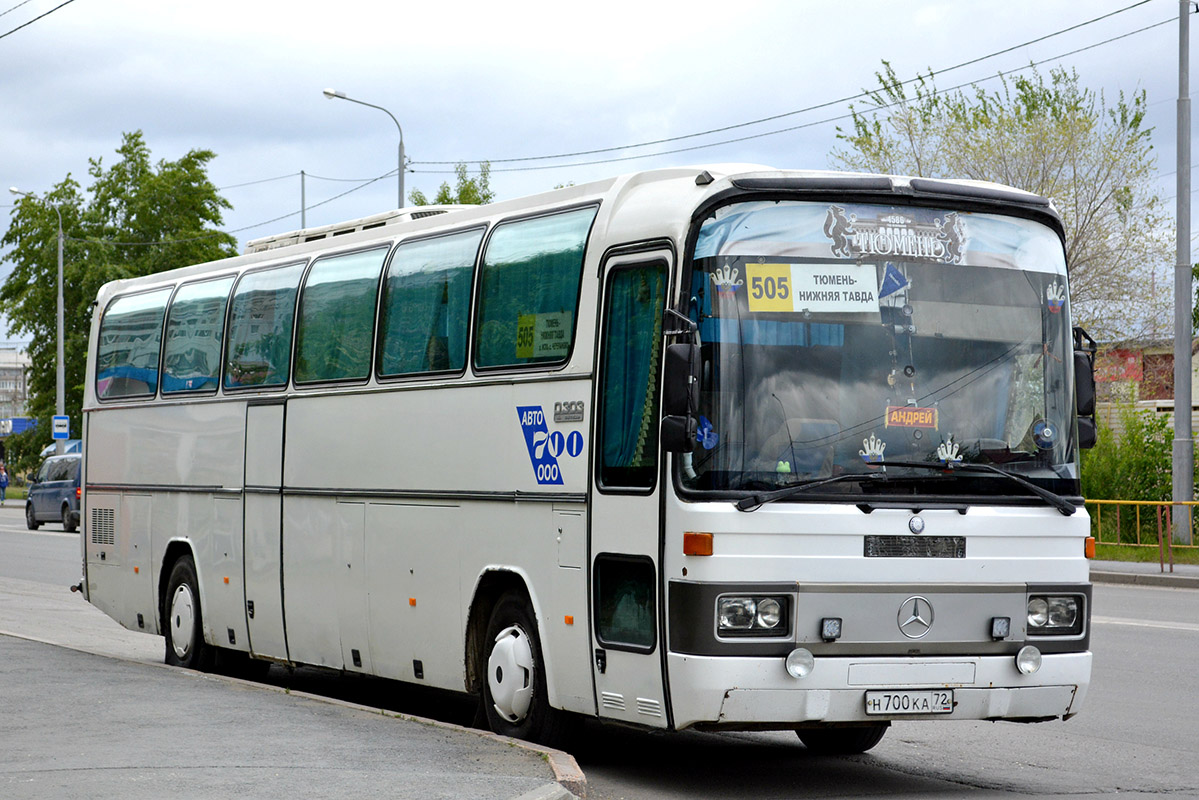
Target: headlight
pixel 737 613
pixel 770 611
pixel 751 615
pixel 1054 615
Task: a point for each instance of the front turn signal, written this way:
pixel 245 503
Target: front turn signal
pixel 697 544
pixel 1089 547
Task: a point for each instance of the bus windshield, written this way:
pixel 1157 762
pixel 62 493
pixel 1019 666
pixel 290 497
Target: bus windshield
pixel 843 338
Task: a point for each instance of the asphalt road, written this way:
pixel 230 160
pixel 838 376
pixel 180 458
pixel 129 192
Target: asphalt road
pixel 1136 734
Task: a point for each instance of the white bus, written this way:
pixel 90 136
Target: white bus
pixel 725 448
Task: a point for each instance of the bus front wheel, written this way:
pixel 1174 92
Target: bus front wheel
pixel 843 741
pixel 184 623
pixel 514 693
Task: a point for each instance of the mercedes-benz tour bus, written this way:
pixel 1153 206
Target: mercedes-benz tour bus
pixel 724 447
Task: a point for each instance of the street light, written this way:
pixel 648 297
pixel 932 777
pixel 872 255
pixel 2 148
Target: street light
pixel 333 94
pixel 59 381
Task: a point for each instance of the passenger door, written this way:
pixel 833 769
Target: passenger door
pixel 626 597
pixel 263 526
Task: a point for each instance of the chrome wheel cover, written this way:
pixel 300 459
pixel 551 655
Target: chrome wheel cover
pixel 183 621
pixel 510 672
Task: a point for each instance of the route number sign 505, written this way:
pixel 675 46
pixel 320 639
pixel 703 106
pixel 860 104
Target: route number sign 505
pixel 769 287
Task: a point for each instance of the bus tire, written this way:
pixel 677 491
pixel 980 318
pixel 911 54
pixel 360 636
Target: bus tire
pixel 514 691
pixel 31 518
pixel 843 741
pixel 184 629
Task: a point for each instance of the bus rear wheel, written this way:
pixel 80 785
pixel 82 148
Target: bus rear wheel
pixel 514 693
pixel 184 628
pixel 843 741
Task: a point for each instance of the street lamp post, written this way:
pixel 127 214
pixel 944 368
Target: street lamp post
pixel 59 382
pixel 332 94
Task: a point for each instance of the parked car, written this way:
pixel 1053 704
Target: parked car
pixel 68 446
pixel 54 493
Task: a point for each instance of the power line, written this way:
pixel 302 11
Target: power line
pixel 237 230
pixel 35 19
pixel 252 183
pixel 14 8
pixel 792 128
pixel 817 107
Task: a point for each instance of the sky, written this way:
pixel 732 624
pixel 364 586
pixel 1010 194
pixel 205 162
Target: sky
pixel 471 81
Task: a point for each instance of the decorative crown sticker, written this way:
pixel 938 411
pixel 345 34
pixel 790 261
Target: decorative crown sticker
pixel 872 450
pixel 726 280
pixel 947 452
pixel 1055 296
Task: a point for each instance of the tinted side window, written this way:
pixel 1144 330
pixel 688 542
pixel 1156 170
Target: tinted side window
pixel 59 470
pixel 260 324
pixel 127 353
pixel 195 323
pixel 629 398
pixel 426 305
pixel 337 317
pixel 529 289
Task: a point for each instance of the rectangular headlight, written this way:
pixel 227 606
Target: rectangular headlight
pixel 1055 615
pixel 751 615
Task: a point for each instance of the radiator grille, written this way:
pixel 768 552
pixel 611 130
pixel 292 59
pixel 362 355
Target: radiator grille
pixel 915 547
pixel 103 526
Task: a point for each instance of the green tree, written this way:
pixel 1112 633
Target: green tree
pixel 1056 139
pixel 469 191
pixel 137 218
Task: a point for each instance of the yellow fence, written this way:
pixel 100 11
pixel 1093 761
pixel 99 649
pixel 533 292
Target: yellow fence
pixel 1141 523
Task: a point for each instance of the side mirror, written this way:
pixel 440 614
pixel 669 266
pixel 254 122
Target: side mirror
pixel 31 478
pixel 1084 388
pixel 680 380
pixel 1084 383
pixel 1088 433
pixel 678 433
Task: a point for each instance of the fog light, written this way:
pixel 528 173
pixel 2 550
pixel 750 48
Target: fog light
pixel 1028 660
pixel 830 629
pixel 800 663
pixel 1001 627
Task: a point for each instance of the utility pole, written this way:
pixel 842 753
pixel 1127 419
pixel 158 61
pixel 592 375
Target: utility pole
pixel 1184 444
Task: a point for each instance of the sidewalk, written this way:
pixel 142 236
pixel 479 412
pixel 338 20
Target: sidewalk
pixel 1184 576
pixel 98 714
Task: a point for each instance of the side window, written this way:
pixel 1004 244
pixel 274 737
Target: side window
pixel 529 290
pixel 260 322
pixel 426 305
pixel 624 602
pixel 632 347
pixel 127 353
pixel 191 359
pixel 43 472
pixel 336 321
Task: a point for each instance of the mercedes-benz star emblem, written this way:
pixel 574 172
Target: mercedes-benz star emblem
pixel 916 524
pixel 915 617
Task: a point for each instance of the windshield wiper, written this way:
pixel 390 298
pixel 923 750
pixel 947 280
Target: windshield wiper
pixel 1056 500
pixel 754 501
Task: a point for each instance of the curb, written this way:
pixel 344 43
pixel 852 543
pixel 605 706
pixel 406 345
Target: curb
pixel 570 784
pixel 1147 579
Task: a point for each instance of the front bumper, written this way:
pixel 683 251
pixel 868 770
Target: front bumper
pixel 759 693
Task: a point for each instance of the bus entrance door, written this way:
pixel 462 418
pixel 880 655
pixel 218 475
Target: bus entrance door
pixel 263 544
pixel 625 500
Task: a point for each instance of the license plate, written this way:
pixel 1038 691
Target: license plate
pixel 927 701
